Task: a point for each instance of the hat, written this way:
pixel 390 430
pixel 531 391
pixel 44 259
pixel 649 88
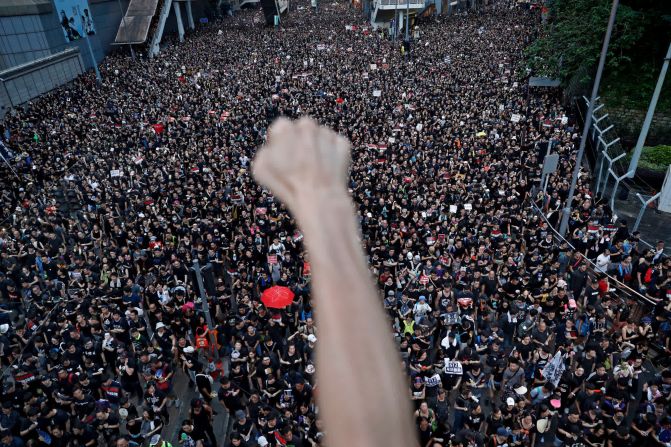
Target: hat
pixel 240 415
pixel 521 390
pixel 556 403
pixel 422 298
pixel 262 441
pixel 159 325
pixel 542 425
pixel 155 440
pixel 502 431
pixel 312 338
pixel 189 350
pixel 510 401
pixel 4 328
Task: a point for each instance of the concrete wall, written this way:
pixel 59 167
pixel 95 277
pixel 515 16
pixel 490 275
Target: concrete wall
pixel 22 39
pixel 628 123
pixel 30 29
pixel 22 83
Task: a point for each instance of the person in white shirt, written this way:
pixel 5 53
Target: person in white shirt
pixel 602 261
pixel 421 309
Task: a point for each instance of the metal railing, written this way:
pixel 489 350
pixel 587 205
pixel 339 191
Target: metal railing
pixel 615 283
pixel 609 154
pixel 399 2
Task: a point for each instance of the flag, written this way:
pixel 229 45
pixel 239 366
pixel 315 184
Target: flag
pixel 554 369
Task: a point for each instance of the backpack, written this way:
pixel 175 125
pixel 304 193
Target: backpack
pixel 525 328
pixel 648 275
pixel 583 327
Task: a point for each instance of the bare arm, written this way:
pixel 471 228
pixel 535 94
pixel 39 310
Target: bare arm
pixel 306 166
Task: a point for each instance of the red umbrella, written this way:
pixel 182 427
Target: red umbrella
pixel 277 297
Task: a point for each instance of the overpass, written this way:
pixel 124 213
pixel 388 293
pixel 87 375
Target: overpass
pixel 145 19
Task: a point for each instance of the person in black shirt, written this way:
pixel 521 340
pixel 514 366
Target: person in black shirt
pixel 424 431
pixel 569 429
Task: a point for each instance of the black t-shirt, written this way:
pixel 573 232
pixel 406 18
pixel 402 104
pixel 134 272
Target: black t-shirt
pixel 570 427
pixel 425 435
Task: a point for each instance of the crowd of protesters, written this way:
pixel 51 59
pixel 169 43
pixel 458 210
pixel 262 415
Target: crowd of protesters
pixel 509 334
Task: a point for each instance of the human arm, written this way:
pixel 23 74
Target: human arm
pixel 306 167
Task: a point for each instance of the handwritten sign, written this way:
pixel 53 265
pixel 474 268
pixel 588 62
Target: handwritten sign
pixel 423 279
pixel 516 117
pixel 272 259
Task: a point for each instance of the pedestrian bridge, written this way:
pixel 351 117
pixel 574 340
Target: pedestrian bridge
pixel 146 19
pixel 384 11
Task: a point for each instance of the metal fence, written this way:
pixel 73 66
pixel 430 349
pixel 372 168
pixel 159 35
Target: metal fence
pixel 628 198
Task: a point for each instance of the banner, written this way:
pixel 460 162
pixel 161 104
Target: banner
pixel 554 369
pixel 75 17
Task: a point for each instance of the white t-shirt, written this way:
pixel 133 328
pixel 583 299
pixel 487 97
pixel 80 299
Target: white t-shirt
pixel 602 262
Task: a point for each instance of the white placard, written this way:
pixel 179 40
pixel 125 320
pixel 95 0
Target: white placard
pixel 453 209
pixel 115 173
pixel 377 93
pixel 468 206
pixel 373 66
pixel 515 118
pixel 453 368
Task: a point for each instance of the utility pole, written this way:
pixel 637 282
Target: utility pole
pixel 206 306
pixel 588 120
pixel 396 21
pixel 407 20
pixel 93 59
pixel 633 164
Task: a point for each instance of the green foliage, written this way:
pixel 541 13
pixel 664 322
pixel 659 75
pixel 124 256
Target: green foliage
pixel 574 35
pixel 569 45
pixel 657 158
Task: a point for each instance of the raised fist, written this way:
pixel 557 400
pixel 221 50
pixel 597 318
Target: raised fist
pixel 302 161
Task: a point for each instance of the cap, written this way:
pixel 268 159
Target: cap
pixel 556 403
pixel 312 338
pixel 159 325
pixel 542 425
pixel 510 401
pixel 262 441
pixel 4 328
pixel 240 415
pixel 189 350
pixel 502 431
pixel 521 390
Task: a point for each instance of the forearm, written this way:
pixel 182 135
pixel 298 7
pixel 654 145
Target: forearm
pixel 345 293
